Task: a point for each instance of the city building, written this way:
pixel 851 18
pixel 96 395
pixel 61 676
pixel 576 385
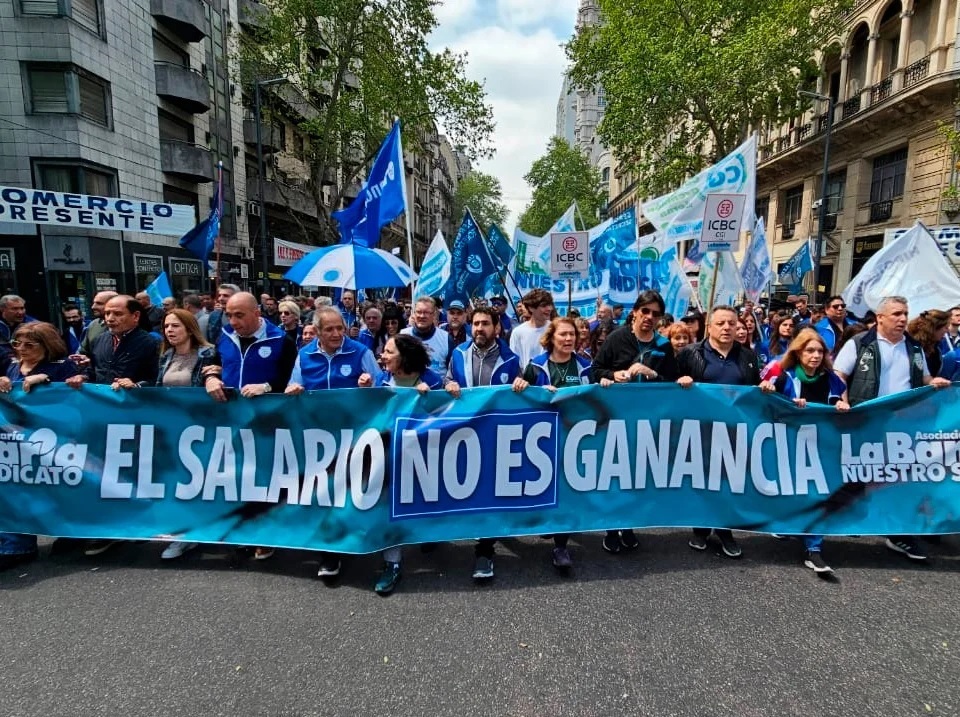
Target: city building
pixel 892 77
pixel 136 103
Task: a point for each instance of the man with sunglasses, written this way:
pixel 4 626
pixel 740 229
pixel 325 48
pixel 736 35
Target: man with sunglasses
pixel 835 320
pixel 635 353
pixel 499 303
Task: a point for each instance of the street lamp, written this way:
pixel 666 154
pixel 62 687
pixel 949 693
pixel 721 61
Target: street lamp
pixel 260 170
pixel 821 234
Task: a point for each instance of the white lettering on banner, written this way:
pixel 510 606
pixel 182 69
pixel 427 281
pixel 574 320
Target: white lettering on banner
pixel 37 206
pixel 40 459
pixel 704 453
pixel 902 458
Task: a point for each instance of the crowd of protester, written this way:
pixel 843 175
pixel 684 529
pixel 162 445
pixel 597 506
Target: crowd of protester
pixel 232 343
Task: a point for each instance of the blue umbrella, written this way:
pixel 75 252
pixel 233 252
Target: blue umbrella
pixel 350 266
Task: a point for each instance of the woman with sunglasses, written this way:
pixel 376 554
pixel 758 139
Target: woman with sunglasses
pixel 40 357
pixel 290 322
pixel 635 353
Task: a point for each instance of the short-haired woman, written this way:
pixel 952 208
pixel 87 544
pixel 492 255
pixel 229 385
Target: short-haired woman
pixel 290 321
pixel 39 357
pixel 406 364
pixel 806 376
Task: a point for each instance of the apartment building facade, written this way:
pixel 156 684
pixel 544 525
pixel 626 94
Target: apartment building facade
pixel 136 103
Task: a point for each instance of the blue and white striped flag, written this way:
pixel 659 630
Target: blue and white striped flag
pixel 757 270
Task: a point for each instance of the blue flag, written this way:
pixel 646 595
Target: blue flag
pixel 159 289
pixel 756 270
pixel 200 240
pixel 470 264
pixel 797 265
pixel 382 198
pixel 500 247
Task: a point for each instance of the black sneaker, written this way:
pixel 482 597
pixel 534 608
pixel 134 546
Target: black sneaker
pixel 628 539
pixel 729 546
pixel 906 547
pixel 611 542
pixel 329 567
pixel 483 568
pixel 388 580
pixel 562 559
pixel 816 563
pixel 698 542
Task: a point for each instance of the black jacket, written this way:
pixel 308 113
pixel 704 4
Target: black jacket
pixel 691 362
pixel 621 350
pixel 137 358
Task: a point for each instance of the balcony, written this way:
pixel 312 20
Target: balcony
pixel 881 211
pixel 252 14
pixel 185 18
pixel 186 160
pixel 881 91
pixel 850 107
pixel 916 72
pixel 271 135
pixel 183 87
pixel 291 197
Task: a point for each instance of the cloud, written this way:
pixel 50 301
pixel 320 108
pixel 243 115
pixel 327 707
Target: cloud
pixel 514 46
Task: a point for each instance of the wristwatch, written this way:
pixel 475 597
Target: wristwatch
pixel 267 387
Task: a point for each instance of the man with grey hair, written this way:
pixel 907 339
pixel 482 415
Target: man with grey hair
pixel 212 324
pixel 334 361
pixel 96 327
pixel 883 361
pixel 13 312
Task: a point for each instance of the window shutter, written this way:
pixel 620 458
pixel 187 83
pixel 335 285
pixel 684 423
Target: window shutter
pixel 93 100
pixel 40 7
pixel 48 91
pixel 86 13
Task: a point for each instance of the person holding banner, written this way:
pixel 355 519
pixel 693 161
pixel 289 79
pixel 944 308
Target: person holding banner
pixel 406 364
pixel 883 361
pixel 484 361
pixel 40 357
pixel 557 367
pixel 634 353
pixel 718 359
pixel 807 377
pixel 333 361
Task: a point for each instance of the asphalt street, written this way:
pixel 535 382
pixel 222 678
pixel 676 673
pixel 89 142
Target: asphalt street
pixel 659 631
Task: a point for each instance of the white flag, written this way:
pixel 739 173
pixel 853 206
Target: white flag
pixel 435 270
pixel 757 270
pixel 721 268
pixel 912 266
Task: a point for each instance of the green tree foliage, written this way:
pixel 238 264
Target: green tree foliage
pixel 686 81
pixel 483 194
pixel 358 64
pixel 560 177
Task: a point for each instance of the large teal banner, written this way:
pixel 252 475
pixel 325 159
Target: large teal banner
pixel 359 470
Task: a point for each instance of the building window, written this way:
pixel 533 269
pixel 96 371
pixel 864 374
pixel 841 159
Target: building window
pixel 605 176
pixel 174 128
pixel 166 51
pixel 601 98
pixel 175 195
pixel 85 13
pixel 836 187
pixel 889 174
pixel 792 206
pixel 55 89
pixel 75 178
pixel 762 208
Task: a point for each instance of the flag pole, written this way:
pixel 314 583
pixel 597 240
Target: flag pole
pixel 220 214
pixel 406 209
pixel 576 208
pixel 501 270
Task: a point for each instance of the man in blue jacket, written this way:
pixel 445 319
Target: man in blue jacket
pixel 483 361
pixel 332 360
pixel 835 320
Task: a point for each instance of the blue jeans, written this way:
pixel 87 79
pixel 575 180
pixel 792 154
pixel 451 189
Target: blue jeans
pixel 813 543
pixel 17 543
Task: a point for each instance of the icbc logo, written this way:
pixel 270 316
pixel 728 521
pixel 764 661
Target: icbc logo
pixel 569 244
pixel 725 208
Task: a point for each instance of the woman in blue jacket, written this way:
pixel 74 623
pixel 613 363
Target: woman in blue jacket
pixel 557 367
pixel 406 364
pixel 806 376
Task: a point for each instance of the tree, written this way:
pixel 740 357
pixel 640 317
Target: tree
pixel 685 82
pixel 357 64
pixel 483 194
pixel 560 177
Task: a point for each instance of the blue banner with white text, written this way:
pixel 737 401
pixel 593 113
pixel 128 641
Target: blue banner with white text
pixel 358 470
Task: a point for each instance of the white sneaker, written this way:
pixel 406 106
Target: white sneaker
pixel 177 549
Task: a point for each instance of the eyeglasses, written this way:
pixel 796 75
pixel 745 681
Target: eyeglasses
pixel 288 313
pixel 19 343
pixel 647 311
pixel 838 306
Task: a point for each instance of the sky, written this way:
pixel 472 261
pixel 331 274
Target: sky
pixel 514 48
